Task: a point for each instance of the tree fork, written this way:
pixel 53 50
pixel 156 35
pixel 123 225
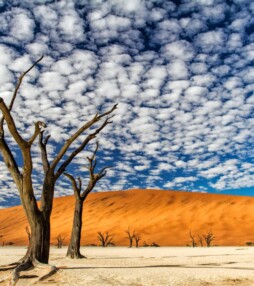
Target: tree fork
pixel 74 245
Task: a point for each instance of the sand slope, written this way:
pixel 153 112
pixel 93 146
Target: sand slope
pixel 164 217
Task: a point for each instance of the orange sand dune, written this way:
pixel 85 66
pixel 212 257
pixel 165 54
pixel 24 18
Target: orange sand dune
pixel 164 217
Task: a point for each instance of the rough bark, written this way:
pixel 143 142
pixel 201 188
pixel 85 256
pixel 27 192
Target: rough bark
pixel 38 249
pixel 74 245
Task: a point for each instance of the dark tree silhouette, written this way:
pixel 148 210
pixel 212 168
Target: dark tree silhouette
pixel 154 244
pixel 130 236
pixel 39 216
pixel 105 239
pixel 200 240
pixel 192 236
pixel 145 244
pixel 209 237
pixel 80 196
pixel 60 240
pixel 137 238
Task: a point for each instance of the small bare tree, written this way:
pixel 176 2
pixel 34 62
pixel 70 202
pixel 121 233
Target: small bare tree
pixel 28 233
pixel 60 240
pixel 130 236
pixel 137 238
pixel 105 239
pixel 80 196
pixel 209 237
pixel 154 244
pixel 192 236
pixel 200 240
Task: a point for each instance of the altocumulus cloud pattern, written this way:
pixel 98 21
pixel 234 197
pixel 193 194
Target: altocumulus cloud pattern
pixel 181 71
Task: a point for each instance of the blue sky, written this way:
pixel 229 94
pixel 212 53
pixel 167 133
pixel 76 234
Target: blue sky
pixel 181 71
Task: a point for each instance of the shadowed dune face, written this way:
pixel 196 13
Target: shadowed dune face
pixel 164 217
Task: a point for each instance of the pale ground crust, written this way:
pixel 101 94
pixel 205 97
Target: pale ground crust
pixel 183 266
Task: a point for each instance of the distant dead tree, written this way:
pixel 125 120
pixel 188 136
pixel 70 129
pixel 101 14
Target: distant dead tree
pixel 80 196
pixel 209 237
pixel 192 236
pixel 60 240
pixel 105 239
pixel 200 240
pixel 137 238
pixel 28 233
pixel 130 236
pixel 9 243
pixel 38 216
pixel 145 244
pixel 249 243
pixel 154 244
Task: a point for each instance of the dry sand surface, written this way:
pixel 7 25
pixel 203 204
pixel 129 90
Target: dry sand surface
pixel 164 217
pixel 117 266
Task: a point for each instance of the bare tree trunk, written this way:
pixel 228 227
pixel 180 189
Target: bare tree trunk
pixel 38 249
pixel 74 245
pixel 38 219
pixel 39 222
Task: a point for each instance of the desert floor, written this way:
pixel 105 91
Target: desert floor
pixel 143 266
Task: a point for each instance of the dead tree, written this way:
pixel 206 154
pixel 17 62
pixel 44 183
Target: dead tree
pixel 137 238
pixel 38 216
pixel 80 196
pixel 192 236
pixel 209 237
pixel 60 240
pixel 105 239
pixel 130 236
pixel 28 233
pixel 145 244
pixel 154 244
pixel 200 240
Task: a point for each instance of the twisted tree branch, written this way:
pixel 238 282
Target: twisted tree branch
pixel 80 131
pixel 75 187
pixel 44 154
pixel 81 147
pixel 17 89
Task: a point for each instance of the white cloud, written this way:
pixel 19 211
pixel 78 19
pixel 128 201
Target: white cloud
pixel 71 26
pixel 211 41
pixel 177 69
pixel 6 75
pixel 184 85
pixel 22 26
pixel 180 50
